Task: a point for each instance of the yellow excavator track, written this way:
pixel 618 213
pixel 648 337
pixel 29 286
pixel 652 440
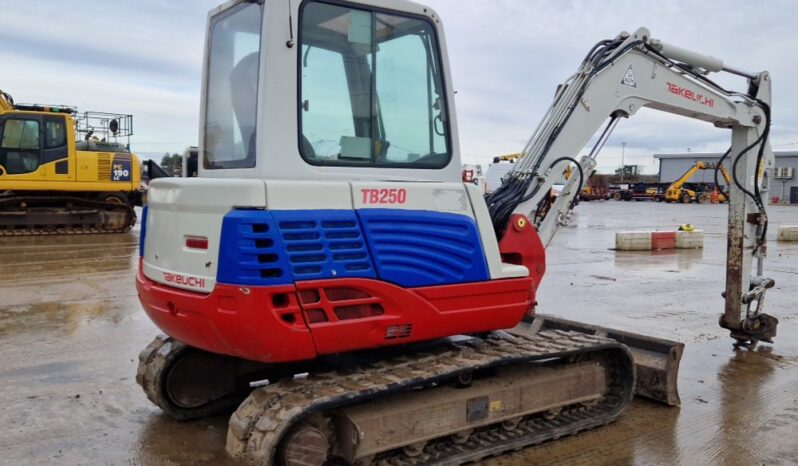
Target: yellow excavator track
pixel 53 214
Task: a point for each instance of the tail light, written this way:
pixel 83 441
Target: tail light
pixel 197 242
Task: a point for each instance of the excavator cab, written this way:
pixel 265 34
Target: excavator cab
pixel 362 92
pixel 28 141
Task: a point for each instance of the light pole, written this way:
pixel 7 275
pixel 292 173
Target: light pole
pixel 623 165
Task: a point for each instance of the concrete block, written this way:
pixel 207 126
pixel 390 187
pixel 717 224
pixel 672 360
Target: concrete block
pixel 788 233
pixel 656 240
pixel 633 241
pixel 689 239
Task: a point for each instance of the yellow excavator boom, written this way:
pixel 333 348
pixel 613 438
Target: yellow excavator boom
pixel 6 102
pixel 725 174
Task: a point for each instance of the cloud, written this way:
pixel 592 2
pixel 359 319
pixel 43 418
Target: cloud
pixel 507 57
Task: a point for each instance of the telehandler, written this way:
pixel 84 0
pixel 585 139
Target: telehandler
pixel 677 192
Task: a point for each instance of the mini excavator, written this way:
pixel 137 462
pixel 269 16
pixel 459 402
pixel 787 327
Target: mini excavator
pixel 330 277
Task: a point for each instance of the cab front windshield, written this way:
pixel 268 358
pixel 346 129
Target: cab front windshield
pixel 371 89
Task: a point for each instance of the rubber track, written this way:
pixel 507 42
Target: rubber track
pixel 257 427
pixel 58 202
pixel 155 363
pixel 152 361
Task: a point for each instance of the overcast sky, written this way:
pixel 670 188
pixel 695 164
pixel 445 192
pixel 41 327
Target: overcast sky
pixel 144 57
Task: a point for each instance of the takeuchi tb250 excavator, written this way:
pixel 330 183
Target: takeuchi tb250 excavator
pixel 329 267
pixel 62 172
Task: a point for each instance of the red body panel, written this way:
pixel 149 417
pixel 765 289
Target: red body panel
pixel 299 322
pixel 230 320
pixel 521 245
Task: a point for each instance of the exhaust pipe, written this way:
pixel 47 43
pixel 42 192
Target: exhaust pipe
pixel 656 359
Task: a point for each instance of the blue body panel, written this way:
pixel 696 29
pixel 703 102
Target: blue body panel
pixel 324 244
pixel 143 233
pixel 261 247
pixel 409 248
pixel 414 248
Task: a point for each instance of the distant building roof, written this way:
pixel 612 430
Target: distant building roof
pixel 715 155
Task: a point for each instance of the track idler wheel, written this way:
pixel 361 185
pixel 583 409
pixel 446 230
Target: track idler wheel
pixel 188 383
pixel 310 443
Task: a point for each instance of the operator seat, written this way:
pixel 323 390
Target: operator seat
pixel 243 88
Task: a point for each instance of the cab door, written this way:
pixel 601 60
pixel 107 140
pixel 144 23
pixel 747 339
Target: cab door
pixel 20 147
pixel 57 163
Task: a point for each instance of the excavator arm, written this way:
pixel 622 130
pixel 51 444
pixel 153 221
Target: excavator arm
pixel 616 79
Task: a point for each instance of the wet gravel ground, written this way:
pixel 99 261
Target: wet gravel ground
pixel 71 329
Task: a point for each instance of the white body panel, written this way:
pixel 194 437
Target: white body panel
pixel 195 207
pixel 308 195
pixel 438 197
pixel 496 267
pixel 183 207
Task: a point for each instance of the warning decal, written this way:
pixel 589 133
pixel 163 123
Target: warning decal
pixel 629 78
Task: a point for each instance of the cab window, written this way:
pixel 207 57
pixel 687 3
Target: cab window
pixel 232 88
pixel 19 146
pixel 371 90
pixel 55 133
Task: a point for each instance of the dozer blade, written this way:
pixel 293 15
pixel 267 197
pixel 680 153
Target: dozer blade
pixel 657 360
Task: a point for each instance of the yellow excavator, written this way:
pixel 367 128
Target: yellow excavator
pixel 677 192
pixel 64 172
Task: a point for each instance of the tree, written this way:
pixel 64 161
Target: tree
pixel 172 163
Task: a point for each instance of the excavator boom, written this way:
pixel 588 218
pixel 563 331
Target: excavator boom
pixel 654 75
pixel 6 102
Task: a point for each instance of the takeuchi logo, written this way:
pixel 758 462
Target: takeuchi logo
pixel 690 95
pixel 185 280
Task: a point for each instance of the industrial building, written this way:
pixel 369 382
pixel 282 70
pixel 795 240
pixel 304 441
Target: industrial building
pixel 785 177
